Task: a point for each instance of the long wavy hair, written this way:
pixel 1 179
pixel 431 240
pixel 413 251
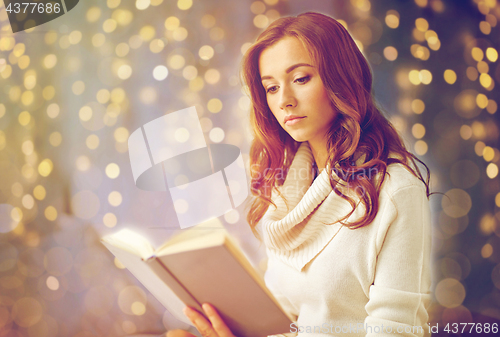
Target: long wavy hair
pixel 359 127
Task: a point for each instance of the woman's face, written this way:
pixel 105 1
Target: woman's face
pixel 295 92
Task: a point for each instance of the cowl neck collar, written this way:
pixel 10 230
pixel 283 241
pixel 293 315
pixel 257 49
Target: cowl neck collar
pixel 305 221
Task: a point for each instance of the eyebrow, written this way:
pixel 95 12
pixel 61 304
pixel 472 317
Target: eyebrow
pixel 288 70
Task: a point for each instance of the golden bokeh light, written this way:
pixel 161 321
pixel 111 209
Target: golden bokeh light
pixel 160 73
pixel 176 61
pixel 486 81
pixel 492 54
pixel 172 23
pixel 98 39
pixel 130 295
pixel 27 147
pixel 414 77
pixel 121 134
pixel 55 139
pixel 110 220
pixel 50 61
pixel 450 76
pixel 180 34
pixel 481 101
pixel 477 54
pixel 485 27
pixel 78 87
pixel 184 4
pixel 28 201
pixel 148 95
pixel 53 110
pixel 196 84
pixel 45 167
pixel 492 170
pixel 112 170
pixel 216 135
pixel 39 192
pixel 421 24
pixel 27 312
pixel 418 130
pixel 156 46
pixel 24 118
pixel 390 53
pixel 456 203
pixel 206 52
pixel 392 19
pixel 85 204
pixel 52 283
pixel 115 198
pixel 212 76
pixel 417 106
pixel 492 106
pixel 109 25
pixel 482 67
pixel 425 76
pixel 260 21
pixel 465 132
pixel 93 14
pixel 421 147
pixel 92 142
pixel 138 308
pixel 50 213
pixel 118 264
pixel 82 163
pixel 190 73
pixel 479 147
pixel 214 105
pixel 257 7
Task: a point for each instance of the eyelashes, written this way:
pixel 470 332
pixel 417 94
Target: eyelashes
pixel 272 89
pixel 300 80
pixel 303 80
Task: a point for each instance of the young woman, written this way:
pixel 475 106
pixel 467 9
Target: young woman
pixel 342 205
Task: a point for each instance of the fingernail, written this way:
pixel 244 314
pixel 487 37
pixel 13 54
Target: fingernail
pixel 206 307
pixel 187 311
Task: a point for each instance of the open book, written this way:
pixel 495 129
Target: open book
pixel 202 265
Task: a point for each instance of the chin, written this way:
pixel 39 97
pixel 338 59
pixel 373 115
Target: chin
pixel 299 138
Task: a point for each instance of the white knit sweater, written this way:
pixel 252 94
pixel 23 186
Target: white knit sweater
pixel 345 282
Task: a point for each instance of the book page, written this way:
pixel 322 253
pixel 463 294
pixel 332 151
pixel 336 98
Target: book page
pixel 202 239
pixel 197 232
pixel 131 242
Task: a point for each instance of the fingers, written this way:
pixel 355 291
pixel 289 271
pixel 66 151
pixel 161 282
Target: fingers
pixel 179 333
pixel 217 323
pixel 200 322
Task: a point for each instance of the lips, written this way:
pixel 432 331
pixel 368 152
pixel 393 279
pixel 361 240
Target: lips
pixel 292 118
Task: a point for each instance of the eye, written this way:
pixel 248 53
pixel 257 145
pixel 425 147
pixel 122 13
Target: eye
pixel 272 89
pixel 303 80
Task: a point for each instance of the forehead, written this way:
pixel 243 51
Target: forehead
pixel 281 55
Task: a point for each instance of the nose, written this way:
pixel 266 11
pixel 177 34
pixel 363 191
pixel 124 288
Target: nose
pixel 287 98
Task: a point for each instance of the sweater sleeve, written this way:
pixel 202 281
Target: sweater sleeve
pixel 400 294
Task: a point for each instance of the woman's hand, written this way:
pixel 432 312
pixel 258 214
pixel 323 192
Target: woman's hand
pixel 213 328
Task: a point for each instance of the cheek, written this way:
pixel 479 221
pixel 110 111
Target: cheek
pixel 273 107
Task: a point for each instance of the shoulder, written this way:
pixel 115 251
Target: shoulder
pixel 399 179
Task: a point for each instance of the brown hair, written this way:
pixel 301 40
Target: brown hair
pixel 360 125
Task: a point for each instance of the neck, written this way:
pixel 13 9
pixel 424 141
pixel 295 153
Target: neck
pixel 319 152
